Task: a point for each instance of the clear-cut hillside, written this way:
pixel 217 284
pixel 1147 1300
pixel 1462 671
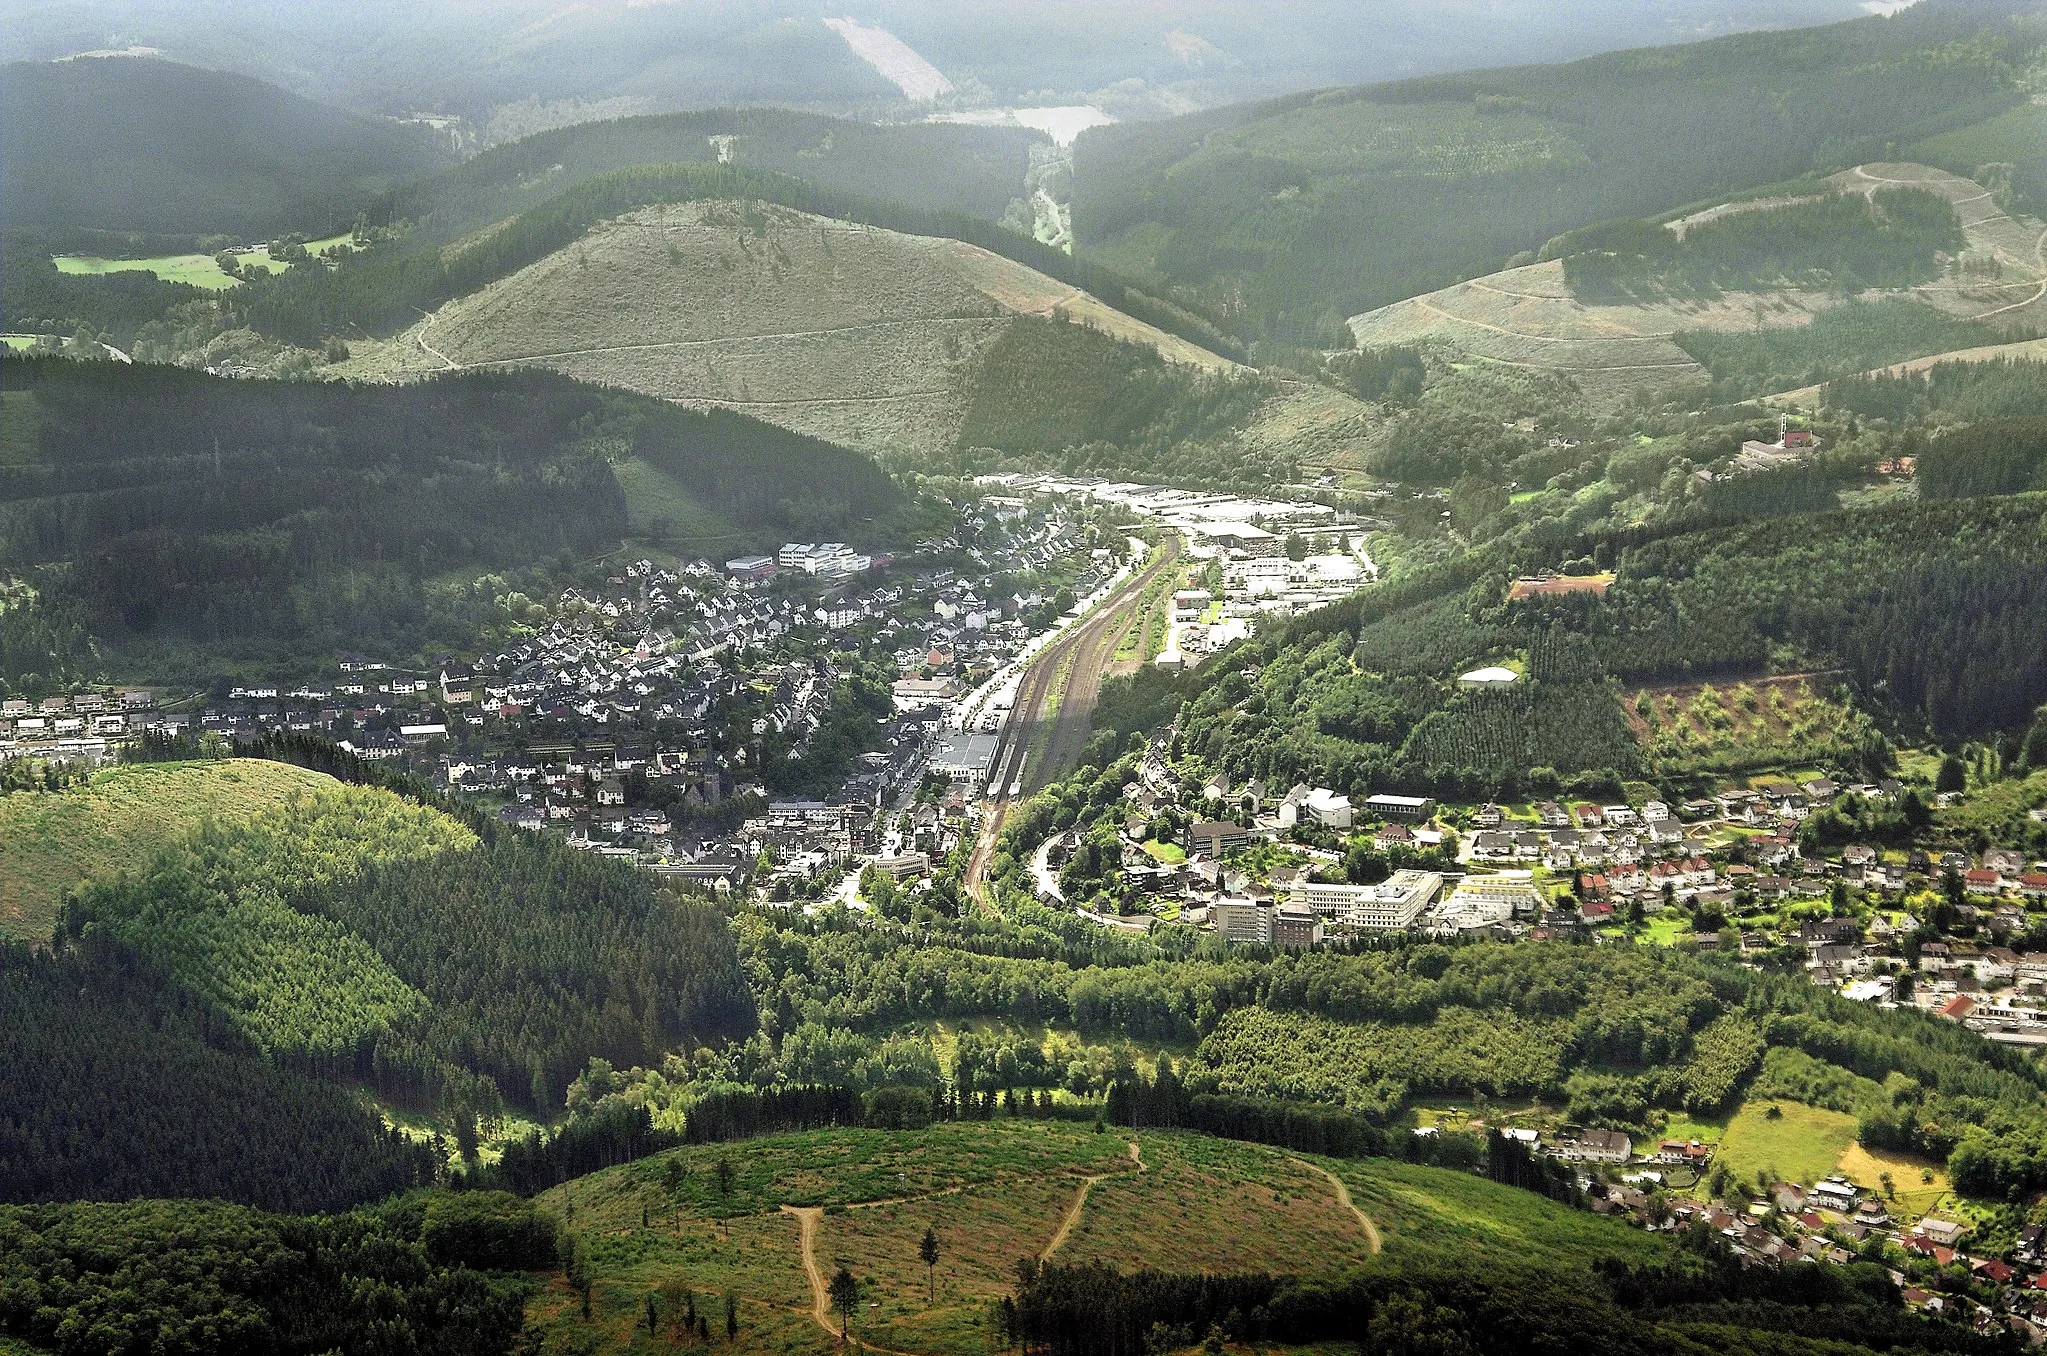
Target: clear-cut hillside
pixel 1530 317
pixel 863 336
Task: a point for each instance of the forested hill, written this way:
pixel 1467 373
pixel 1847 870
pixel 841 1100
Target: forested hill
pixel 121 145
pixel 271 518
pixel 934 167
pixel 388 286
pixel 1319 206
pixel 1923 608
pixel 253 976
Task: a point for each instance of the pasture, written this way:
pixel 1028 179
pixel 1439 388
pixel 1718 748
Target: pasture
pixel 1916 1184
pixel 197 270
pixel 1800 1144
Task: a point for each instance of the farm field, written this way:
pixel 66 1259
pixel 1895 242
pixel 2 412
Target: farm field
pixel 199 270
pixel 993 1193
pixel 52 842
pixel 1912 1196
pixel 1529 317
pixel 1800 1144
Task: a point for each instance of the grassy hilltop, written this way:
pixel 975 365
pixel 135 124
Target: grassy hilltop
pixel 52 843
pixel 994 1194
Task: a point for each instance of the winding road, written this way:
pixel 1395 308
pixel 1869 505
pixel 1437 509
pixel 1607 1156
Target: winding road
pixel 447 363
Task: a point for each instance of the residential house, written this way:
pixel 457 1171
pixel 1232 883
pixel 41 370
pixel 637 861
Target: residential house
pixel 1593 1146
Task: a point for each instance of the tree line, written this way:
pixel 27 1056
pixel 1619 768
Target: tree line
pixel 1699 1300
pixel 424 1273
pixel 2005 388
pixel 1842 242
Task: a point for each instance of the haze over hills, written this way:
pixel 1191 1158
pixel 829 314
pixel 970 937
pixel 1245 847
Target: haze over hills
pixel 939 167
pixel 508 69
pixel 1299 212
pixel 120 146
pixel 1406 719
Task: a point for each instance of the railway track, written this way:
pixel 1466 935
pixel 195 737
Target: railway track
pixel 1058 691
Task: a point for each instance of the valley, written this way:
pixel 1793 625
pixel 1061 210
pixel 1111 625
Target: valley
pixel 1049 717
pixel 986 702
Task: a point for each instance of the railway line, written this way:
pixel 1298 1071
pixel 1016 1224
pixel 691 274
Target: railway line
pixel 1054 702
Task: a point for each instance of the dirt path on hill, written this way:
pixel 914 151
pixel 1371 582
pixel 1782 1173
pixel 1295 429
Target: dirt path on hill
pixel 2039 245
pixel 447 363
pixel 2040 259
pixel 808 1217
pixel 1087 1184
pixel 1343 1199
pixel 860 328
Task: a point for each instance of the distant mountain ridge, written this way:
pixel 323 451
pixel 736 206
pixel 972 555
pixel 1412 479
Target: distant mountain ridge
pixel 936 167
pixel 125 144
pixel 1615 345
pixel 1299 212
